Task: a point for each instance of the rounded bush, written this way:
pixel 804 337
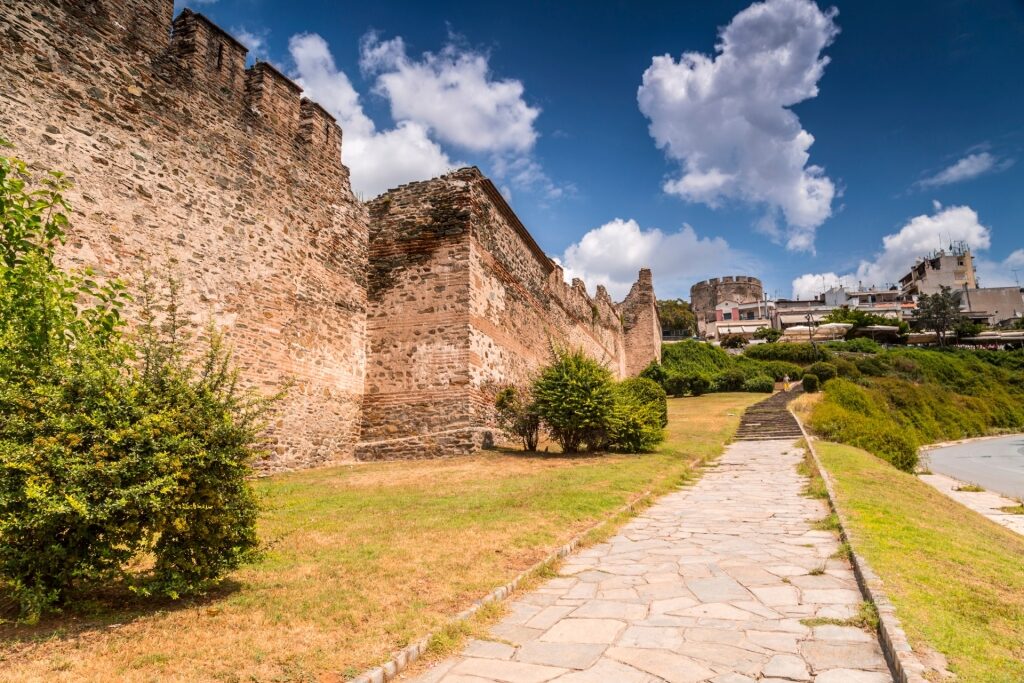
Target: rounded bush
pixel 690 384
pixel 574 398
pixel 646 392
pixel 810 383
pixel 730 380
pixel 823 371
pixel 761 383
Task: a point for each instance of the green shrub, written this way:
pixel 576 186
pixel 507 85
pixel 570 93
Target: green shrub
pixel 810 383
pixel 694 357
pixel 823 371
pixel 637 418
pixel 874 367
pixel 911 397
pixel 791 352
pixel 858 345
pixel 845 367
pixel 761 383
pixel 779 369
pixel 657 372
pixel 110 449
pixel 690 384
pixel 768 333
pixel 517 415
pixel 646 392
pixel 730 380
pixel 574 397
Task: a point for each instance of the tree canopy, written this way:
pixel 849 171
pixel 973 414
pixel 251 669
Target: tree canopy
pixel 677 317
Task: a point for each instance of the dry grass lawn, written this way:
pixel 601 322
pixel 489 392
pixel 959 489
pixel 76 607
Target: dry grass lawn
pixel 362 559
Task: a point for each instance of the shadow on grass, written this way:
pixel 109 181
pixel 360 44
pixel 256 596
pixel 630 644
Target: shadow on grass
pixel 105 607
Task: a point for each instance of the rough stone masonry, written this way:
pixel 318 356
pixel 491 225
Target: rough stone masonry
pixel 394 319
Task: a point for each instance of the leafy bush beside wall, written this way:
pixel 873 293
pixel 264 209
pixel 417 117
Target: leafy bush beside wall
pixel 112 448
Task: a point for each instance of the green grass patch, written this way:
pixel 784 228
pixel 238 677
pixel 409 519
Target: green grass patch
pixel 969 488
pixel 866 618
pixel 955 578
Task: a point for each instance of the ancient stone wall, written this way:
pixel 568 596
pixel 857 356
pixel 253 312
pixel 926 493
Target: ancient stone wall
pixel 417 380
pixel 184 160
pixel 393 321
pixel 641 327
pixel 461 302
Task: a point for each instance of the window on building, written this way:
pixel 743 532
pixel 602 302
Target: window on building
pixel 727 315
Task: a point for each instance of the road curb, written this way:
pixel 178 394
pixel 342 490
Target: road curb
pixel 904 664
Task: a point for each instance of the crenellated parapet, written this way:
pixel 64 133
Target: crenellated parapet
pixel 707 294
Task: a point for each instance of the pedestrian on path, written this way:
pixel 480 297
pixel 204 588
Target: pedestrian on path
pixel 785 382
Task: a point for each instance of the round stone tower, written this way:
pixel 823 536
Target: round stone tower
pixel 744 289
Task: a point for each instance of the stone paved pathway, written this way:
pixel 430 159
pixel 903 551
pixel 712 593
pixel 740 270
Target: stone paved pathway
pixel 709 584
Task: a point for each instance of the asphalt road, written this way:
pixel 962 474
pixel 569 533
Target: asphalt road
pixel 995 464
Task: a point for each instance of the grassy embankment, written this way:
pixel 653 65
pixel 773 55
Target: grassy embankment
pixel 894 402
pixel 956 578
pixel 363 559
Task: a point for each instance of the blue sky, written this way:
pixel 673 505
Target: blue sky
pixel 803 143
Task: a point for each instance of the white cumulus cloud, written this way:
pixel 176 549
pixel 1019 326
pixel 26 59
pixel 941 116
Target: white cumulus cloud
pixel 725 118
pixel 253 39
pixel 379 160
pixel 919 236
pixel 612 254
pixel 453 93
pixel 967 168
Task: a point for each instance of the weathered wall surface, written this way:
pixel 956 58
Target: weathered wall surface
pixel 417 382
pixel 182 157
pixel 463 301
pixel 521 306
pixel 641 327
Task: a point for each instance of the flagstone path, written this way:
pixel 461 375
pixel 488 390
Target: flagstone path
pixel 709 584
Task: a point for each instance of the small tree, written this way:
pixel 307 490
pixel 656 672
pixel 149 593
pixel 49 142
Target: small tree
pixel 733 341
pixel 677 317
pixel 770 334
pixel 517 415
pixel 940 311
pixel 574 397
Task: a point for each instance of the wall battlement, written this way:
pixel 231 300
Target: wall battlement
pixel 184 159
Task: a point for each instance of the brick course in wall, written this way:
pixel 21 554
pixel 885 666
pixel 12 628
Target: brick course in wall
pixel 394 320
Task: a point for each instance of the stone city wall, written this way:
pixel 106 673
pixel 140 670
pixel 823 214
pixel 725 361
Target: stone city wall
pixel 462 302
pixel 185 161
pixel 393 321
pixel 641 326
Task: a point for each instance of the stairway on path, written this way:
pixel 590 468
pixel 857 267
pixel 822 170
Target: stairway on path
pixel 770 419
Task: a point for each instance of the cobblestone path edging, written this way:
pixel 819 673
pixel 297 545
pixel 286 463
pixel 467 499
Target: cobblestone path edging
pixel 410 653
pixel 903 662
